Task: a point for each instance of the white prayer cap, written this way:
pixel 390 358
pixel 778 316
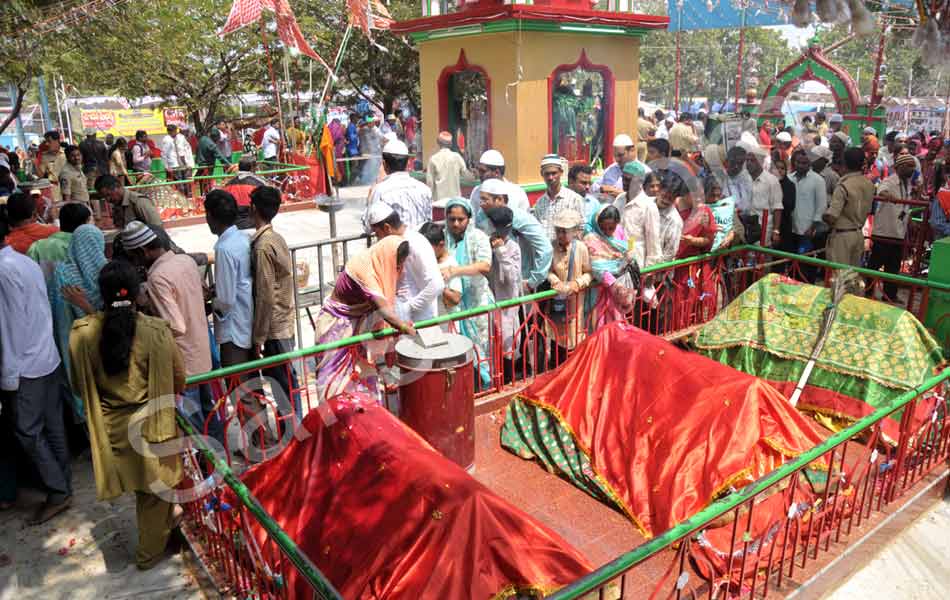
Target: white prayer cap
pixel 390 136
pixel 395 148
pixel 819 152
pixel 900 136
pixel 836 118
pixel 870 130
pixel 623 141
pixel 492 158
pixel 784 137
pixel 379 212
pixel 552 159
pixel 753 148
pixel 495 187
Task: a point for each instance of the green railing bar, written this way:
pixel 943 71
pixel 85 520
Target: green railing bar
pixel 389 331
pixel 262 363
pixel 317 579
pixel 619 565
pixel 142 186
pixel 826 263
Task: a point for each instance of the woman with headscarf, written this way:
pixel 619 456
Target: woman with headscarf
pixel 126 366
pixel 74 290
pixel 473 254
pixel 570 276
pixel 694 284
pixel 363 297
pixel 613 296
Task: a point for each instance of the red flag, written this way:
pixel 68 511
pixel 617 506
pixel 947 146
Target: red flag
pixel 244 13
pixel 368 15
pixel 248 12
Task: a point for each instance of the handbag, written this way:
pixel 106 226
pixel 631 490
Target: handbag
pixel 557 309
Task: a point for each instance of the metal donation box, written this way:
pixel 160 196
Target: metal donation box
pixel 437 392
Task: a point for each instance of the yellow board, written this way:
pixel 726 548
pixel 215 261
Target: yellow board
pixel 520 118
pixel 124 122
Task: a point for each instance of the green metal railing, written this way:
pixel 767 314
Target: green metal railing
pixel 618 566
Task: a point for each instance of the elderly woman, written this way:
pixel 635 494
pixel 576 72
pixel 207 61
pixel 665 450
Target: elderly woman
pixel 473 256
pixel 363 296
pixel 570 274
pixel 613 297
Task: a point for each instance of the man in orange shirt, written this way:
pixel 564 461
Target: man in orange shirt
pixel 24 230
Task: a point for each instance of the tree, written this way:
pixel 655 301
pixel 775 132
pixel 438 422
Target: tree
pixel 391 74
pixel 171 49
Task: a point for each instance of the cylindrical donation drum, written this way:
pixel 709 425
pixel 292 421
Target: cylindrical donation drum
pixel 437 395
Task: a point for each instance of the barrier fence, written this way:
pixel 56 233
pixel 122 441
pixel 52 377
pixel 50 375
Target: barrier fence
pixel 257 405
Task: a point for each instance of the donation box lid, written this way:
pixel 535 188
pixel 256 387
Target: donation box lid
pixel 435 350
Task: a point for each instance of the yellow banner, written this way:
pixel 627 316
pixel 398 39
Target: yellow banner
pixel 124 122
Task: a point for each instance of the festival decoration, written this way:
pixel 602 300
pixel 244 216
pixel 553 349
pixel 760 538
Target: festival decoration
pixel 248 12
pixel 368 15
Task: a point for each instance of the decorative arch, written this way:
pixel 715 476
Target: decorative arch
pixel 609 103
pixel 813 65
pixel 461 65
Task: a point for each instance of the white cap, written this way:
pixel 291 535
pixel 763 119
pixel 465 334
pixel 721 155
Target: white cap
pixel 492 158
pixel 752 148
pixel 870 130
pixel 379 212
pixel 623 141
pixel 900 136
pixel 836 118
pixel 495 187
pixel 395 148
pixel 820 152
pixel 784 136
pixel 390 136
pixel 552 159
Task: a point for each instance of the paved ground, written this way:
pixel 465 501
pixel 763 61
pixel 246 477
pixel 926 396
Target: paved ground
pixel 913 566
pixel 88 552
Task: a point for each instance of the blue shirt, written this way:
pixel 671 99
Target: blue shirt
pixel 938 220
pixel 352 140
pixel 233 303
pixel 27 348
pixel 536 250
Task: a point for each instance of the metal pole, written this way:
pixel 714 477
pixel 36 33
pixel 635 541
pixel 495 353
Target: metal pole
pixel 679 64
pixel 44 102
pixel 69 119
pixel 739 61
pixel 875 83
pixel 273 81
pixel 20 135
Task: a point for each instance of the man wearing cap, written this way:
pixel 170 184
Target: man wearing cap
pixel 556 197
pixel 848 210
pixel 72 181
pixel 783 142
pixel 399 190
pixel 891 220
pixel 639 216
pixel 445 170
pixel 534 242
pixel 820 157
pixel 766 194
pixel 175 294
pixel 683 138
pixel 611 182
pixel 420 283
pixel 838 143
pixel 52 162
pixel 834 124
pixel 491 165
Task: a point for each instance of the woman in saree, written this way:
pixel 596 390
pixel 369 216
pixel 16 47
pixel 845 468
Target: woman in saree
pixel 362 299
pixel 693 283
pixel 74 291
pixel 612 293
pixel 125 366
pixel 472 251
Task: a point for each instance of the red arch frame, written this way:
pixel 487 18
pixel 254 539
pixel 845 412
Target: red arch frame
pixel 462 64
pixel 609 97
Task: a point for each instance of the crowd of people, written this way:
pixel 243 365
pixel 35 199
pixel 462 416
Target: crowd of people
pixel 88 341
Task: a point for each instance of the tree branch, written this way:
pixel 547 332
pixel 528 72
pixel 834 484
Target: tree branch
pixel 21 88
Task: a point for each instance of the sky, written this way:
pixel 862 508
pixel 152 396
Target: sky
pixel 796 37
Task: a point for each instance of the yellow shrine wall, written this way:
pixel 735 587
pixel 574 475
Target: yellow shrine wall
pixel 520 119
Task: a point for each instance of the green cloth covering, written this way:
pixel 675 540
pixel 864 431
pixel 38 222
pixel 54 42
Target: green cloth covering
pixel 534 433
pixel 874 351
pixel 53 249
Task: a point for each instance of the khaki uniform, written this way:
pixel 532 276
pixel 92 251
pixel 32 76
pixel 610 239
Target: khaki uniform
pixel 72 184
pixel 135 207
pixel 645 130
pixel 51 165
pixel 849 207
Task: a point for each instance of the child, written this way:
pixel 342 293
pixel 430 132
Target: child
pixel 505 280
pixel 452 294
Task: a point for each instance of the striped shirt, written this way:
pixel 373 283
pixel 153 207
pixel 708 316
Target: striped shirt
pixel 546 209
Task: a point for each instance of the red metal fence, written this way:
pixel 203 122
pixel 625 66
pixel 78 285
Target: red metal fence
pixel 864 477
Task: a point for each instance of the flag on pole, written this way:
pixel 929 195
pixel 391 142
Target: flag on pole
pixel 248 12
pixel 369 15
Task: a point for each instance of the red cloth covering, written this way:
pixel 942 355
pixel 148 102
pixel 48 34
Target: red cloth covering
pixel 306 185
pixel 384 516
pixel 668 430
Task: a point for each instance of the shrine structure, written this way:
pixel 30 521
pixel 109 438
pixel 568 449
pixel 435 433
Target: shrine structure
pixel 529 78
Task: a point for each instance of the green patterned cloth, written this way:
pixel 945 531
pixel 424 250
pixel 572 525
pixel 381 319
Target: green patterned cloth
pixel 872 350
